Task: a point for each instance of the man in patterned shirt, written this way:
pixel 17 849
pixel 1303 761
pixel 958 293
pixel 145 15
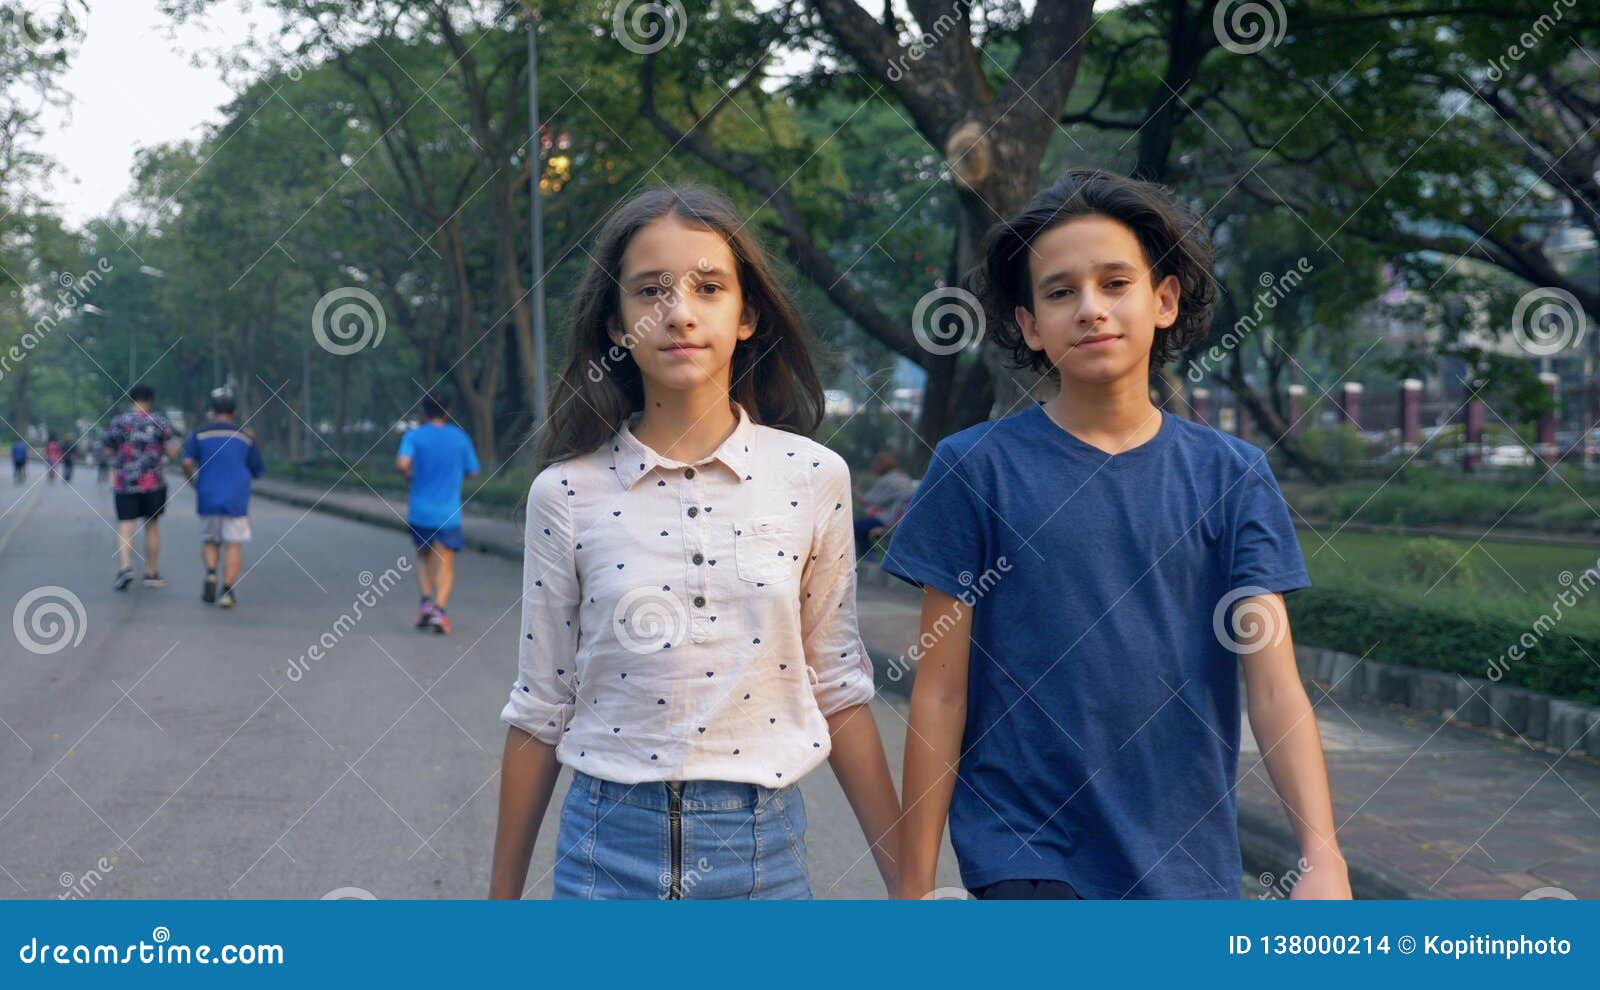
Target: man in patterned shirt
pixel 137 444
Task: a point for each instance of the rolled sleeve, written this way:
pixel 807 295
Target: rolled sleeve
pixel 841 669
pixel 543 697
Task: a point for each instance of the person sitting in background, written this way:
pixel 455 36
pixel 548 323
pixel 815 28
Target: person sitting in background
pixel 883 501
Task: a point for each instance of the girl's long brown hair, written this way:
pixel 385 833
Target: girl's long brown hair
pixel 772 375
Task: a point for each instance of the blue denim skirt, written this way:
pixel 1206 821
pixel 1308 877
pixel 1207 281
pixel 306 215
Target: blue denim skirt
pixel 695 839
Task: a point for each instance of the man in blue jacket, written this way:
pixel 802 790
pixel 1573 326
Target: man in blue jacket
pixel 221 459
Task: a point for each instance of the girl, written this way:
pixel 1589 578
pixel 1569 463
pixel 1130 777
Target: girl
pixel 689 644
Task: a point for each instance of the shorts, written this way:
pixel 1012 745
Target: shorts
pixel 224 529
pixel 426 536
pixel 141 505
pixel 734 841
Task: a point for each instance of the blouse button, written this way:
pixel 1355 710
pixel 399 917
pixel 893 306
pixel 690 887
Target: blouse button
pixel 699 601
pixel 694 510
pixel 688 472
pixel 699 558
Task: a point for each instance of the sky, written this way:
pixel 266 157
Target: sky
pixel 133 84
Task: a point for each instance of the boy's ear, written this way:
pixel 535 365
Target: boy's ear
pixel 1167 297
pixel 1029 327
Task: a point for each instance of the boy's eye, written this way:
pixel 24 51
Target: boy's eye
pixel 1118 283
pixel 1060 293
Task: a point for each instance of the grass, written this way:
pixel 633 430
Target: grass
pixel 1564 504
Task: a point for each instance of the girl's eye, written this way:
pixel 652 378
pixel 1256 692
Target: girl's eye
pixel 710 288
pixel 649 290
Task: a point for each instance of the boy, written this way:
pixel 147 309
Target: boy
pixel 1085 566
pixel 435 457
pixel 222 459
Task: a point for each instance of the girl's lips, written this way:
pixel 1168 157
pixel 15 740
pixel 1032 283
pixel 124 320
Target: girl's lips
pixel 683 351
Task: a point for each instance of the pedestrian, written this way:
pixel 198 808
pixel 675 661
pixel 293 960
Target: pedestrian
pixel 1094 570
pixel 19 461
pixel 69 456
pixel 52 458
pixel 689 644
pixel 221 459
pixel 137 444
pixel 883 501
pixel 435 457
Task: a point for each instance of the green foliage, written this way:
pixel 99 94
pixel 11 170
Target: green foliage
pixel 1436 636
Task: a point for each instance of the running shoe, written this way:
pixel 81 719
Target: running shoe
pixel 226 599
pixel 440 621
pixel 154 581
pixel 208 593
pixel 124 578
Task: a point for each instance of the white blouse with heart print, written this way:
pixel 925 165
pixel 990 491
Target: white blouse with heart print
pixel 690 621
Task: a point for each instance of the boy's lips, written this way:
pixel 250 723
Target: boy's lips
pixel 1097 339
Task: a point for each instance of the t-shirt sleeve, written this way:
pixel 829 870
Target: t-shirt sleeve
pixel 1266 551
pixel 469 457
pixel 941 537
pixel 191 448
pixel 253 461
pixel 408 443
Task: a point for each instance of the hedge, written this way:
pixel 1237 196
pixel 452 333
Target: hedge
pixel 1368 622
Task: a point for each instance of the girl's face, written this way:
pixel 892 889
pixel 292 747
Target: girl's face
pixel 682 312
pixel 1095 308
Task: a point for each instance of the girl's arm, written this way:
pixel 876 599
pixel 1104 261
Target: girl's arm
pixel 1286 733
pixel 528 774
pixel 933 738
pixel 859 762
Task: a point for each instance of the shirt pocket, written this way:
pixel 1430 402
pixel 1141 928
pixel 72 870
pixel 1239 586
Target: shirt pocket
pixel 763 549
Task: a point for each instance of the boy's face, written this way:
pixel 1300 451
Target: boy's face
pixel 1096 308
pixel 682 312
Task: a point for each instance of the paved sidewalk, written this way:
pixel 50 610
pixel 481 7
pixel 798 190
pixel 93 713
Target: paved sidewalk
pixel 1426 808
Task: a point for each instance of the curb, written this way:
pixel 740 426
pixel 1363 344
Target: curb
pixel 386 520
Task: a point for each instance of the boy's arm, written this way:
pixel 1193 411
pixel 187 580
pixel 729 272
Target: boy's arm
pixel 933 738
pixel 1285 728
pixel 859 762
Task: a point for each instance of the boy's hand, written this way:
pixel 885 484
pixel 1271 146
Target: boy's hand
pixel 1325 879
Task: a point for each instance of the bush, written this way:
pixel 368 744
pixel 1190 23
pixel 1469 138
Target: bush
pixel 1431 561
pixel 1438 637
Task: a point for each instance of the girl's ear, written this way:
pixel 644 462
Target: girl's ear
pixel 747 322
pixel 614 331
pixel 1167 294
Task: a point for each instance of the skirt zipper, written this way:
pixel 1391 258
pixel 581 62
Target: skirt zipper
pixel 675 827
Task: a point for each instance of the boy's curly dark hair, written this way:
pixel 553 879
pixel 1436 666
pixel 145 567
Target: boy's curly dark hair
pixel 1174 240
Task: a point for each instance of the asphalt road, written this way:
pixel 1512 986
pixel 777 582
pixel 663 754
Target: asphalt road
pixel 153 746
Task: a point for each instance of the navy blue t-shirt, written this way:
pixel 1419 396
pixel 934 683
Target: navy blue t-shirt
pixel 1103 705
pixel 226 459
